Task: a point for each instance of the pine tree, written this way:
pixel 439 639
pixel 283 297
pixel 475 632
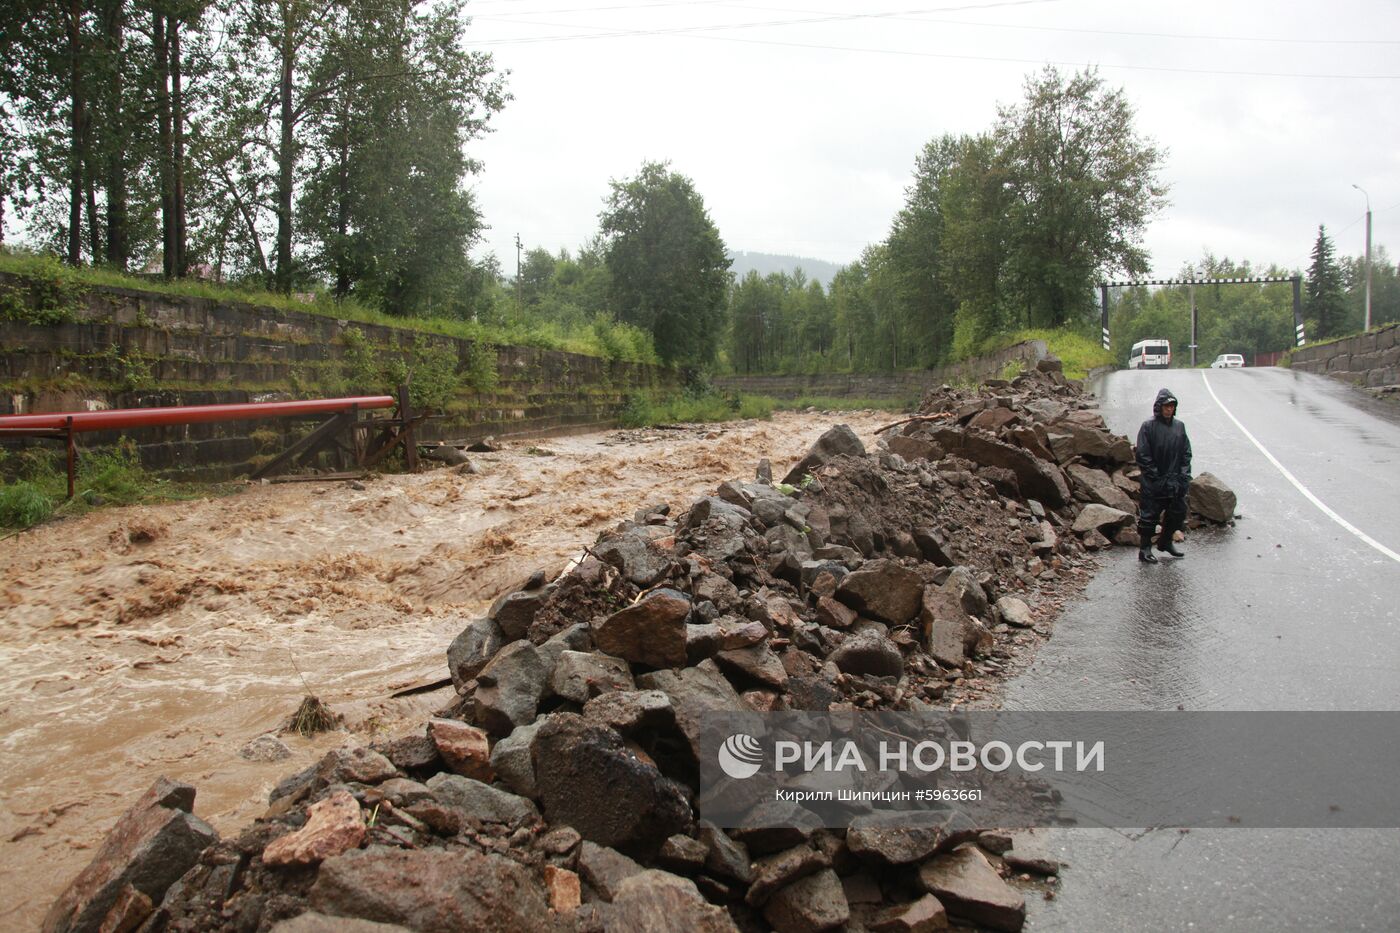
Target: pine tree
pixel 1326 303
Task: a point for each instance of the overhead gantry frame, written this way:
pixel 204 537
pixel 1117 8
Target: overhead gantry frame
pixel 1297 281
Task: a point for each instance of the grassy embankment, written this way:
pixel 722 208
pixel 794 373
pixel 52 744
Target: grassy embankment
pixel 34 485
pixel 61 286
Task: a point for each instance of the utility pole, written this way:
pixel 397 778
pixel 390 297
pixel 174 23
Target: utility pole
pixel 1368 255
pixel 1191 289
pixel 519 299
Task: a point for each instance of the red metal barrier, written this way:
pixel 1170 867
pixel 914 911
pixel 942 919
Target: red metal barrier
pixel 118 418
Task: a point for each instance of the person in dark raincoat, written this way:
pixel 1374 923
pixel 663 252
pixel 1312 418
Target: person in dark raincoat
pixel 1164 457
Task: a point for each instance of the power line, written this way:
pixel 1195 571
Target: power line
pixel 1122 33
pixel 696 32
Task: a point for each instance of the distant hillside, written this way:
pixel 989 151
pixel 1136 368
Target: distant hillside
pixel 765 263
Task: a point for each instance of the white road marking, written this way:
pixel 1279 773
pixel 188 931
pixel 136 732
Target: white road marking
pixel 1299 486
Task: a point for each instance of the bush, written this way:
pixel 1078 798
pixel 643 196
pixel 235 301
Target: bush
pixel 23 505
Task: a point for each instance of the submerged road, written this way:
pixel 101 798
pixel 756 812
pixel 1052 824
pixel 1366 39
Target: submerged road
pixel 1295 608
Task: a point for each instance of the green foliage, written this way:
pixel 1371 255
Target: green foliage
pixel 1325 305
pixel 644 410
pixel 362 369
pixel 1244 319
pixel 34 486
pixel 130 370
pixel 999 231
pixel 1079 352
pixel 50 295
pixel 668 265
pixel 23 504
pixel 480 373
pixel 781 322
pixel 432 378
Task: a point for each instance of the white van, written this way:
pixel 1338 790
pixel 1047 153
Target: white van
pixel 1154 353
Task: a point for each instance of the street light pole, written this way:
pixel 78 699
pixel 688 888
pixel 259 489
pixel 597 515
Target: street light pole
pixel 1368 255
pixel 1191 291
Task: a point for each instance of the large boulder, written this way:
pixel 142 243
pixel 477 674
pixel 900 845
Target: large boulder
pixel 605 869
pixel 756 664
pixel 884 590
pixel 1099 487
pixel 150 847
pixel 482 802
pixel 869 653
pixel 914 448
pixel 817 902
pixel 834 443
pixel 512 762
pixel 510 688
pixel 970 888
pixel 657 900
pixel 1083 434
pixel 1035 477
pixel 651 632
pixel 431 890
pixel 632 552
pixel 1212 499
pixel 951 633
pixel 694 693
pixel 588 779
pixel 886 839
pixel 333 825
pixel 472 650
pixel 1096 517
pixel 465 749
pixel 579 676
pixel 514 612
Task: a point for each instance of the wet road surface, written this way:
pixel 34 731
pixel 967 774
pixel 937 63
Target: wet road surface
pixel 1295 608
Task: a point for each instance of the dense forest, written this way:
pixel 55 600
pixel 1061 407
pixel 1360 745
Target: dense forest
pixel 324 147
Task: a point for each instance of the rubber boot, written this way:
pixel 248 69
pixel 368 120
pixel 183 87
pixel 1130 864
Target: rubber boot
pixel 1170 548
pixel 1145 554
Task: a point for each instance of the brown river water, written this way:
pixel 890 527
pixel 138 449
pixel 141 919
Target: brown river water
pixel 149 641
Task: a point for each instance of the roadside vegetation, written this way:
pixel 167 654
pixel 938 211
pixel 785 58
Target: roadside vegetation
pixel 34 484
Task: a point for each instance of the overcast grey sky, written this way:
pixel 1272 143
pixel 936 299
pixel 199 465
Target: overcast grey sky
pixel 799 120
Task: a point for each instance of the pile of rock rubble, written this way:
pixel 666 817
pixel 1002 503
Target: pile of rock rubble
pixel 558 791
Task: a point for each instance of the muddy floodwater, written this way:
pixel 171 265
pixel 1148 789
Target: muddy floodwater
pixel 153 641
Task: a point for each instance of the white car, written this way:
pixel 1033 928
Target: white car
pixel 1228 361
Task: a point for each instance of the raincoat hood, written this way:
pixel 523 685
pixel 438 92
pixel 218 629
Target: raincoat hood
pixel 1164 397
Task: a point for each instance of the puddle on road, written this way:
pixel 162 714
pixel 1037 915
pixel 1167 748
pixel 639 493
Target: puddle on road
pixel 126 661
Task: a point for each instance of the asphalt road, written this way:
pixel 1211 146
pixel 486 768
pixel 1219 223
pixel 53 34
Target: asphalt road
pixel 1295 608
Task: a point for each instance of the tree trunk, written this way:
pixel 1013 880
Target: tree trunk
pixel 77 120
pixel 167 181
pixel 286 156
pixel 89 173
pixel 342 217
pixel 177 158
pixel 118 248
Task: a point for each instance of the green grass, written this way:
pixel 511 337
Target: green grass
pixel 1079 353
pixel 609 341
pixel 644 410
pixel 34 484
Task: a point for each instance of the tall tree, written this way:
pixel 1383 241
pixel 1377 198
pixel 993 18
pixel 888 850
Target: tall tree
pixel 670 269
pixel 384 199
pixel 1083 184
pixel 1326 302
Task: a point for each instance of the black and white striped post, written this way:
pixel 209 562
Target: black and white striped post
pixel 1298 331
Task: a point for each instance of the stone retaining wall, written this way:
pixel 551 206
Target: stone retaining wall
pixel 909 384
pixel 125 348
pixel 1371 359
